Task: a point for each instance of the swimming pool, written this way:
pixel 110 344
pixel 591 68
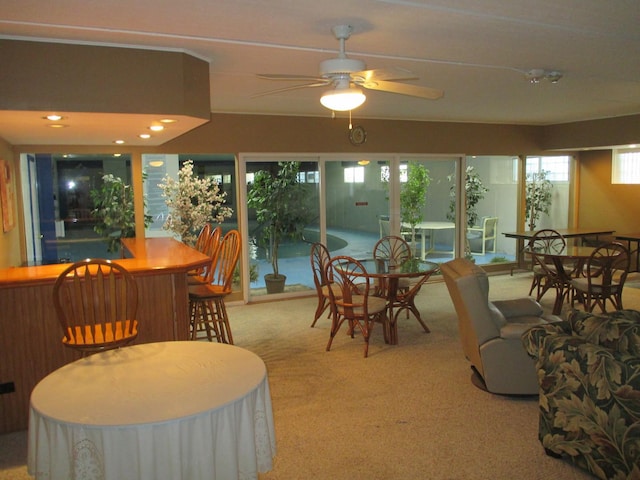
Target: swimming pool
pixel 300 248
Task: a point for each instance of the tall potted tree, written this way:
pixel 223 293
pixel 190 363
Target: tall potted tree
pixel 538 197
pixel 474 192
pixel 413 197
pixel 114 211
pixel 282 210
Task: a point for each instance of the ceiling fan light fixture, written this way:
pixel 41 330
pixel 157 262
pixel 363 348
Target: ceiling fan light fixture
pixel 341 100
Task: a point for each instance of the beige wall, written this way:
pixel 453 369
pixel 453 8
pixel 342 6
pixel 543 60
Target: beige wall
pixel 229 133
pixel 606 132
pixel 10 242
pixel 89 78
pixel 601 204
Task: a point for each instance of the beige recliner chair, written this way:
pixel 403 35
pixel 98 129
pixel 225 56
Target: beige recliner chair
pixel 491 332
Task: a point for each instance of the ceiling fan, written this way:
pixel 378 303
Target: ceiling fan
pixel 346 76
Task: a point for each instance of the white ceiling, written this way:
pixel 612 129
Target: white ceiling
pixel 477 51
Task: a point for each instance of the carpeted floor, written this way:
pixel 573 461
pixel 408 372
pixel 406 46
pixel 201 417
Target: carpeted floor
pixel 407 412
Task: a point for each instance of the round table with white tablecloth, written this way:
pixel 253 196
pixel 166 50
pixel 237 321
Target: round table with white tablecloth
pixel 169 410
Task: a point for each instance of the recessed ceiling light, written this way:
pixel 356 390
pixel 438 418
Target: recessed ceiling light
pixel 144 135
pixel 168 120
pixel 53 118
pixel 57 125
pixel 119 142
pixel 117 154
pixel 156 128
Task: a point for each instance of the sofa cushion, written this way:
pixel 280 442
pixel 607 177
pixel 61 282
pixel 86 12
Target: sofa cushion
pixel 618 330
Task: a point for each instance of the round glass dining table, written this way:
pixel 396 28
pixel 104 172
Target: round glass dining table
pixel 400 282
pixel 568 263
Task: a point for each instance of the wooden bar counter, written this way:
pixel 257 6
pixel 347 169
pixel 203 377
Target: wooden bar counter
pixel 30 335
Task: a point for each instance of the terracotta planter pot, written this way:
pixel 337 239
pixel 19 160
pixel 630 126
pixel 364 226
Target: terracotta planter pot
pixel 274 284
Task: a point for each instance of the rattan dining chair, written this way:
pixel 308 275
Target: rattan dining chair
pixel 398 250
pixel 320 257
pixel 544 273
pixel 603 279
pixel 355 305
pixel 208 312
pixel 96 302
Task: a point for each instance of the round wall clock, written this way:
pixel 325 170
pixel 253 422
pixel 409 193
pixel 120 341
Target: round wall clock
pixel 357 135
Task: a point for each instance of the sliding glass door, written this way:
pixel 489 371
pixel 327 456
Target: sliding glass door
pixel 58 204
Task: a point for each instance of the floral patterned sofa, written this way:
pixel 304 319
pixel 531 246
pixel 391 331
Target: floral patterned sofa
pixel 589 376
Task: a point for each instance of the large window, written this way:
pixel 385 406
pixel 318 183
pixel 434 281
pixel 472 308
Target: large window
pixel 625 166
pixel 156 166
pixel 353 174
pixel 556 168
pixel 62 230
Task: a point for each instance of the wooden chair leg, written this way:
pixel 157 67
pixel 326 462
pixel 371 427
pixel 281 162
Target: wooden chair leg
pixel 211 322
pixel 222 321
pixel 322 306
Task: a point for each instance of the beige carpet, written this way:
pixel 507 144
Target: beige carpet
pixel 406 412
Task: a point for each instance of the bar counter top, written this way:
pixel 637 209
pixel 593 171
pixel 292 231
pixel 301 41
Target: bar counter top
pixel 149 255
pixel 32 346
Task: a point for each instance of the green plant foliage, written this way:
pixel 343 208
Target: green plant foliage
pixel 413 196
pixel 253 274
pixel 281 204
pixel 474 190
pixel 538 197
pixel 114 211
pixel 499 260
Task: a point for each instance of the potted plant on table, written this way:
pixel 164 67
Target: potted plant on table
pixel 282 210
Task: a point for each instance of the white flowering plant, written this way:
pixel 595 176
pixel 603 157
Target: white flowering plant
pixel 193 202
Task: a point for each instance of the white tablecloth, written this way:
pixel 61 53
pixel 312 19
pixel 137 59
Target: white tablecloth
pixel 170 410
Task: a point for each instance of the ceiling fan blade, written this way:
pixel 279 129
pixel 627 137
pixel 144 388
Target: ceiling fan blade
pixel 285 76
pixel 293 87
pixel 383 74
pixel 405 89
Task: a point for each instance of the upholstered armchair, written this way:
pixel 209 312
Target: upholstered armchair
pixel 491 332
pixel 589 376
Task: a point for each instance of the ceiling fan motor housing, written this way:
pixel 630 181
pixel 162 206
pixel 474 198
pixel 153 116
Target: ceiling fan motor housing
pixel 336 66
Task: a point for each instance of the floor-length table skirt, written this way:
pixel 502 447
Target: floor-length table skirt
pixel 193 410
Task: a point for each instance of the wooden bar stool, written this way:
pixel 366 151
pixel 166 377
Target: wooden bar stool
pixel 206 301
